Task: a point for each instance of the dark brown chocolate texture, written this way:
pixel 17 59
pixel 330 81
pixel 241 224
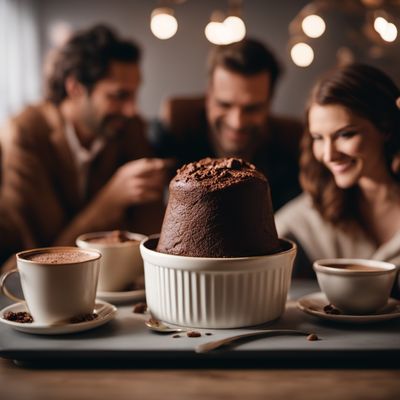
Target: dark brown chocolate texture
pixel 219 208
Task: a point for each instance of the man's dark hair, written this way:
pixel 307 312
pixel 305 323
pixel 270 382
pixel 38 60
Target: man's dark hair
pixel 87 56
pixel 247 57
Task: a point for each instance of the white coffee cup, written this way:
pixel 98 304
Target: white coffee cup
pixel 121 262
pixel 58 283
pixel 356 286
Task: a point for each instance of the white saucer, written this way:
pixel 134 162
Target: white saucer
pixel 122 297
pixel 314 304
pixel 105 312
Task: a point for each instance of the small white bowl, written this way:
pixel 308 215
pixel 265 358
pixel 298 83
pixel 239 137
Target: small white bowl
pixel 121 263
pixel 356 291
pixel 217 292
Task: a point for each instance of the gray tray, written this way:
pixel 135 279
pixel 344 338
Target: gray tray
pixel 126 341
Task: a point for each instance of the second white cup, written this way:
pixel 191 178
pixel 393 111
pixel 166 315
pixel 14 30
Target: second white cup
pixel 355 286
pixel 121 262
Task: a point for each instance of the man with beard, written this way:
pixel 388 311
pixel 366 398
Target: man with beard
pixel 234 119
pixel 79 161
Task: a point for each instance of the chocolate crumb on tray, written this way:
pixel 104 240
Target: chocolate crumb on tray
pixel 312 337
pixel 139 308
pixel 193 334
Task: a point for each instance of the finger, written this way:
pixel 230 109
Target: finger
pixel 150 181
pixel 161 176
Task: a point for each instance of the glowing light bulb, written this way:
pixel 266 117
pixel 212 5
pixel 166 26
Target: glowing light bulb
pixel 302 54
pixel 217 33
pixel 163 24
pixel 389 34
pixel 313 26
pixel 380 24
pixel 236 28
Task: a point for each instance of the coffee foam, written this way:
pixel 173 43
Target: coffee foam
pixel 114 237
pixel 54 257
pixel 356 267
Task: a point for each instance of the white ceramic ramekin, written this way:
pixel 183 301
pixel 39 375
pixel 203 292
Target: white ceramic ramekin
pixel 216 292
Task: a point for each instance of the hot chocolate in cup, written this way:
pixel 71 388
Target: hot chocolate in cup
pixel 58 283
pixel 121 262
pixel 356 286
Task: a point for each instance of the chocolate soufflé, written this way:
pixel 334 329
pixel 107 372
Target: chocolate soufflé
pixel 219 208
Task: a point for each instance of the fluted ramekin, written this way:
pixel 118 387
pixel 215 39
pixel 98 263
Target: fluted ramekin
pixel 217 292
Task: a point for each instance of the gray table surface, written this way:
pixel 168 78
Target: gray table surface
pixel 127 339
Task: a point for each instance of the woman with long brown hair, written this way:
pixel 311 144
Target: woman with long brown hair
pixel 350 171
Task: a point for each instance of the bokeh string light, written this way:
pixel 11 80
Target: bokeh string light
pixel 163 23
pixel 377 30
pixel 379 27
pixel 223 28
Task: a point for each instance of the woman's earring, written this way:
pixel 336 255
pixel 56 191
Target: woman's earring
pixel 396 163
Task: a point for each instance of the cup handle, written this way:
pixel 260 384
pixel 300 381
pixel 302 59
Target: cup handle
pixel 3 286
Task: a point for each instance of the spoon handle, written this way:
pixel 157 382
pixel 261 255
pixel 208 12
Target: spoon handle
pixel 206 347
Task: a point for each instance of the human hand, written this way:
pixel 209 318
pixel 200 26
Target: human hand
pixel 137 182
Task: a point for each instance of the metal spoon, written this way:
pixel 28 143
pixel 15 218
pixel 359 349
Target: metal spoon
pixel 206 347
pixel 158 326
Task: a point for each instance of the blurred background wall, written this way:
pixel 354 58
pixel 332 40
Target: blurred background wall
pixel 177 65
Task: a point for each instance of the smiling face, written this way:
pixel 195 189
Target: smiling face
pixel 348 145
pixel 112 102
pixel 237 110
